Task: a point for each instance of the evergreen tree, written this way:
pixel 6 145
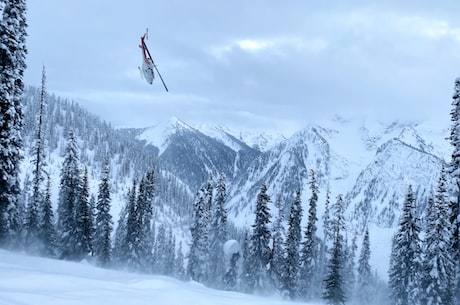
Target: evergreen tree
pixel 438 266
pixel 119 244
pixel 34 210
pixel 197 268
pixel 218 234
pixel 144 211
pixel 48 231
pixel 84 231
pixel 405 264
pixel 327 230
pixel 12 65
pixel 133 229
pixel 334 286
pixel 454 201
pixel 161 251
pixel 148 235
pixel 293 238
pixel 259 248
pixel 310 258
pixel 69 196
pixel 104 223
pixel 364 293
pixel 278 251
pixel 209 194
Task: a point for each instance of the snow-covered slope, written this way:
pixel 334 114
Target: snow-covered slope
pixel 372 163
pixel 258 139
pixel 191 155
pixel 30 280
pixel 381 187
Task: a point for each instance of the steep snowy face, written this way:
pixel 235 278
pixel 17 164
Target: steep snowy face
pixel 242 139
pixel 223 135
pixel 283 169
pixel 192 155
pixel 371 163
pixel 160 134
pixel 380 189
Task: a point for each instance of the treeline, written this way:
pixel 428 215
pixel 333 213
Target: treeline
pixel 296 263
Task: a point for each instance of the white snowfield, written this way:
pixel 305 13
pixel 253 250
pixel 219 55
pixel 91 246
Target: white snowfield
pixel 27 280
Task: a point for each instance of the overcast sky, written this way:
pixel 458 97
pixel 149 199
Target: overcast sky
pixel 253 63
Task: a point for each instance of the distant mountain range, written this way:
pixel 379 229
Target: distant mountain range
pixel 371 163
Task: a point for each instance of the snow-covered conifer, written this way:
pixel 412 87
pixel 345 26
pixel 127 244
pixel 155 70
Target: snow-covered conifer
pixel 293 239
pixel 218 233
pixel 34 211
pixel 197 268
pixel 84 231
pixel 454 190
pixel 259 248
pixel 438 262
pixel 310 286
pixel 69 196
pixel 12 65
pixel 133 229
pixel 327 230
pixel 119 243
pixel 104 223
pixel 334 285
pixel 364 283
pixel 405 260
pixel 48 231
pixel 161 251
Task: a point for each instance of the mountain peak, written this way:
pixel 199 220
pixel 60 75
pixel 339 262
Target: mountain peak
pixel 176 124
pixel 159 134
pixel 411 137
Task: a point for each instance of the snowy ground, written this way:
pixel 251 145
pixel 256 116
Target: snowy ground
pixel 31 280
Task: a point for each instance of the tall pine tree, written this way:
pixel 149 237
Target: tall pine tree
pixel 145 217
pixel 438 262
pixel 454 200
pixel 405 260
pixel 310 258
pixel 69 196
pixel 218 233
pixel 47 230
pixel 364 282
pixel 131 246
pixel 33 221
pixel 12 65
pixel 334 284
pixel 104 223
pixel 259 248
pixel 293 239
pixel 197 268
pixel 84 230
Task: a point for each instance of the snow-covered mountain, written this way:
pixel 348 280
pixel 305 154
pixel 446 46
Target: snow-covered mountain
pixel 192 155
pixel 371 163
